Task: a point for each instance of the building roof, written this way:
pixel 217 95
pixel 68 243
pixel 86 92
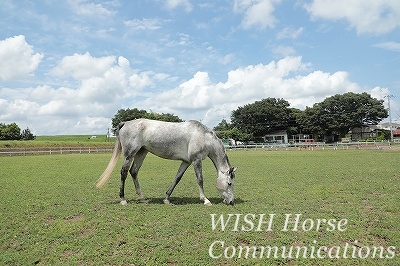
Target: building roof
pixel 386 125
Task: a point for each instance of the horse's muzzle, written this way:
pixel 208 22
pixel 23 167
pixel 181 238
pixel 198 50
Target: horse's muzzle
pixel 229 202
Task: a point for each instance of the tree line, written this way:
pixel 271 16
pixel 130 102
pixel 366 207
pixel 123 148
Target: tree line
pixel 13 132
pixel 131 114
pixel 330 119
pixel 335 116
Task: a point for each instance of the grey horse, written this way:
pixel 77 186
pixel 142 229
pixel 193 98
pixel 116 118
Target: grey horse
pixel 190 142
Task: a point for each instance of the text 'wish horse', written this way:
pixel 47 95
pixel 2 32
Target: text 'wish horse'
pixel 191 142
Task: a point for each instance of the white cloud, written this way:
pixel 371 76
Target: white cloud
pixel 92 124
pixel 81 66
pixel 284 50
pixel 181 39
pixel 367 16
pixel 104 84
pixel 380 93
pixel 391 46
pixel 226 59
pixel 83 7
pixel 17 59
pixel 124 64
pixel 145 24
pixel 141 80
pixel 16 110
pixel 257 13
pixel 172 4
pixel 289 33
pixel 58 108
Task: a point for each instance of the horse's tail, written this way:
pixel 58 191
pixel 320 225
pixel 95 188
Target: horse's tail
pixel 113 161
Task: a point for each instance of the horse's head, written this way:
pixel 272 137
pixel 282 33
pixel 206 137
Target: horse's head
pixel 225 185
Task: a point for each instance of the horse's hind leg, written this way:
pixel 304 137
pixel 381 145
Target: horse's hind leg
pixel 137 163
pixel 124 172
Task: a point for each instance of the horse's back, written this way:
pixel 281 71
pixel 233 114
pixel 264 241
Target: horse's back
pixel 162 129
pixel 170 140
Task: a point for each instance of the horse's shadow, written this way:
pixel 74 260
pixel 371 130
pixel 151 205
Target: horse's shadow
pixel 177 201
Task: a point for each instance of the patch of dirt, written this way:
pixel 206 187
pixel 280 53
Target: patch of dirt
pixel 85 232
pixel 75 218
pixel 367 205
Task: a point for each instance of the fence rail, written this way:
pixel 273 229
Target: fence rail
pixel 52 150
pixel 265 146
pixel 320 146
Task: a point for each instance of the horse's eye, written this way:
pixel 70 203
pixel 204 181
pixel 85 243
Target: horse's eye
pixel 229 183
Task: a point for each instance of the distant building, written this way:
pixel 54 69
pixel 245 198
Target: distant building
pixel 374 131
pixel 366 132
pixel 302 138
pixel 396 135
pixel 386 125
pixel 279 137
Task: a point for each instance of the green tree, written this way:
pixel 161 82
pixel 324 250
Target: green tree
pixel 222 126
pixel 131 114
pixel 163 117
pixel 262 117
pixel 338 114
pixel 225 130
pixel 126 115
pixel 234 133
pixel 27 135
pixel 308 122
pixel 10 132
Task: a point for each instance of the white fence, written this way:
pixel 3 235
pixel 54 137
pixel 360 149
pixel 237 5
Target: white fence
pixel 52 150
pixel 265 146
pixel 319 146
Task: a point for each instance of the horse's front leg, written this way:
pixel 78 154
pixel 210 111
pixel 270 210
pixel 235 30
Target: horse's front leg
pixel 199 175
pixel 182 168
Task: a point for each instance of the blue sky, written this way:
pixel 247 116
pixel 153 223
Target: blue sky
pixel 66 67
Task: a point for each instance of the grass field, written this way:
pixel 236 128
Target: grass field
pixel 52 214
pixel 59 140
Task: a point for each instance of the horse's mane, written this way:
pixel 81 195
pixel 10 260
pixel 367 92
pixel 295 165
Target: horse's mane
pixel 202 126
pixel 215 138
pixel 205 129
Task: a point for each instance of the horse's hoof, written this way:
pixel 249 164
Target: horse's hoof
pixel 141 200
pixel 207 203
pixel 166 201
pixel 124 202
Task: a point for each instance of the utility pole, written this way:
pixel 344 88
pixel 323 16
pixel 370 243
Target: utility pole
pixel 390 117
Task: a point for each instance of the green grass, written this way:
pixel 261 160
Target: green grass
pixel 52 214
pixel 59 140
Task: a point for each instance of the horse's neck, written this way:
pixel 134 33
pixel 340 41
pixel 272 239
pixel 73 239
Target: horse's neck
pixel 218 157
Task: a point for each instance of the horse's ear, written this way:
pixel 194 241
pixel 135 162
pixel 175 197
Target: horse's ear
pixel 232 170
